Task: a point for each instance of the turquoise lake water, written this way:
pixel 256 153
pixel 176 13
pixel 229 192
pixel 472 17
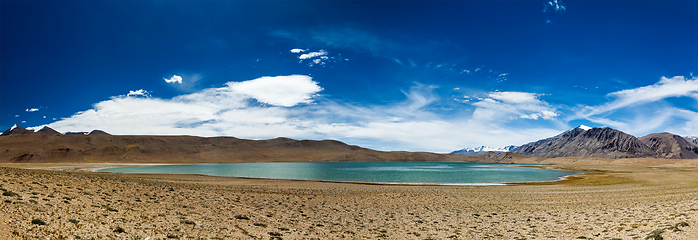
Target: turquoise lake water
pixel 365 172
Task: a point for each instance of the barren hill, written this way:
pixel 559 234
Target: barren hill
pixel 667 145
pixel 588 143
pixel 36 148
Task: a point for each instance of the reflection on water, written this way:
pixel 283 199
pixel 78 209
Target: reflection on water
pixel 381 172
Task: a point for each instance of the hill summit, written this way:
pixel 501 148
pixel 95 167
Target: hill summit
pixel 586 142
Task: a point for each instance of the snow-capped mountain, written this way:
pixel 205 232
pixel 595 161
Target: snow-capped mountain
pixel 585 142
pixel 482 150
pixel 19 130
pixel 584 127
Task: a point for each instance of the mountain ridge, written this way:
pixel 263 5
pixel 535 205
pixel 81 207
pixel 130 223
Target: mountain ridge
pixel 16 129
pixel 482 150
pixel 586 142
pixel 96 148
pixel 667 145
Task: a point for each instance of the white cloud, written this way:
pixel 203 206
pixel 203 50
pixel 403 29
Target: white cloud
pixel 554 5
pixel 284 91
pixel 321 57
pixel 32 109
pixel 139 92
pixel 514 97
pixel 226 111
pixel 643 110
pixel 174 79
pixel 501 106
pixel 297 50
pixel 322 52
pixel 677 86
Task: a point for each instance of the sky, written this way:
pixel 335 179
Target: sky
pixel 387 75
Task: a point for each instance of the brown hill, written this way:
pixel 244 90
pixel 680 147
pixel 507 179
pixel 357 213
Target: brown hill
pixel 41 148
pixel 587 143
pixel 16 130
pixel 693 140
pixel 667 145
pixel 48 130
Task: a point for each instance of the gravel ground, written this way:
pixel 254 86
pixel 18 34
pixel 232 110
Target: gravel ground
pixel 617 202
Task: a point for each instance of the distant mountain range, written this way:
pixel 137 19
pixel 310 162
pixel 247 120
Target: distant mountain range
pixel 20 145
pixel 18 130
pixel 585 142
pixel 482 150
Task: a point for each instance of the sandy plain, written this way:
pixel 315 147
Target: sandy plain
pixel 622 199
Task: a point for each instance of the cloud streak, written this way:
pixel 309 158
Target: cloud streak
pixel 677 86
pixel 513 105
pixel 290 106
pixel 313 54
pixel 645 109
pixel 554 5
pixel 138 93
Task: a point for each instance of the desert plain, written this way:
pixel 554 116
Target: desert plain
pixel 617 199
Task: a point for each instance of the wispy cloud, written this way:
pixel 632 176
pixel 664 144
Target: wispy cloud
pixel 554 6
pixel 645 109
pixel 291 107
pixel 366 42
pixel 320 57
pixel 174 79
pixel 320 53
pixel 340 37
pixel 512 105
pixel 32 109
pixel 186 82
pixel 677 86
pixel 138 93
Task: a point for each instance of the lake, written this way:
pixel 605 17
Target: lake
pixel 365 172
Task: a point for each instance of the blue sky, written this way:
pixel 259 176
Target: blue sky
pixel 388 75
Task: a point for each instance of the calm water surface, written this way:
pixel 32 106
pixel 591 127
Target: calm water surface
pixel 370 172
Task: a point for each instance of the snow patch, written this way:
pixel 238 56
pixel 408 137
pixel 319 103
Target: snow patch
pixel 583 127
pixel 13 127
pixel 482 150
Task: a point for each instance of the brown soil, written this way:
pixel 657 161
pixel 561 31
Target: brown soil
pixel 623 199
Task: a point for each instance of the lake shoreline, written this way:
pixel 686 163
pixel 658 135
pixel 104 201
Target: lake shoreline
pixel 338 168
pixel 615 201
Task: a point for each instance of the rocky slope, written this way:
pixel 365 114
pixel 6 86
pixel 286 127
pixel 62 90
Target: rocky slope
pixel 48 130
pixel 584 142
pixel 691 139
pixel 667 145
pixel 16 130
